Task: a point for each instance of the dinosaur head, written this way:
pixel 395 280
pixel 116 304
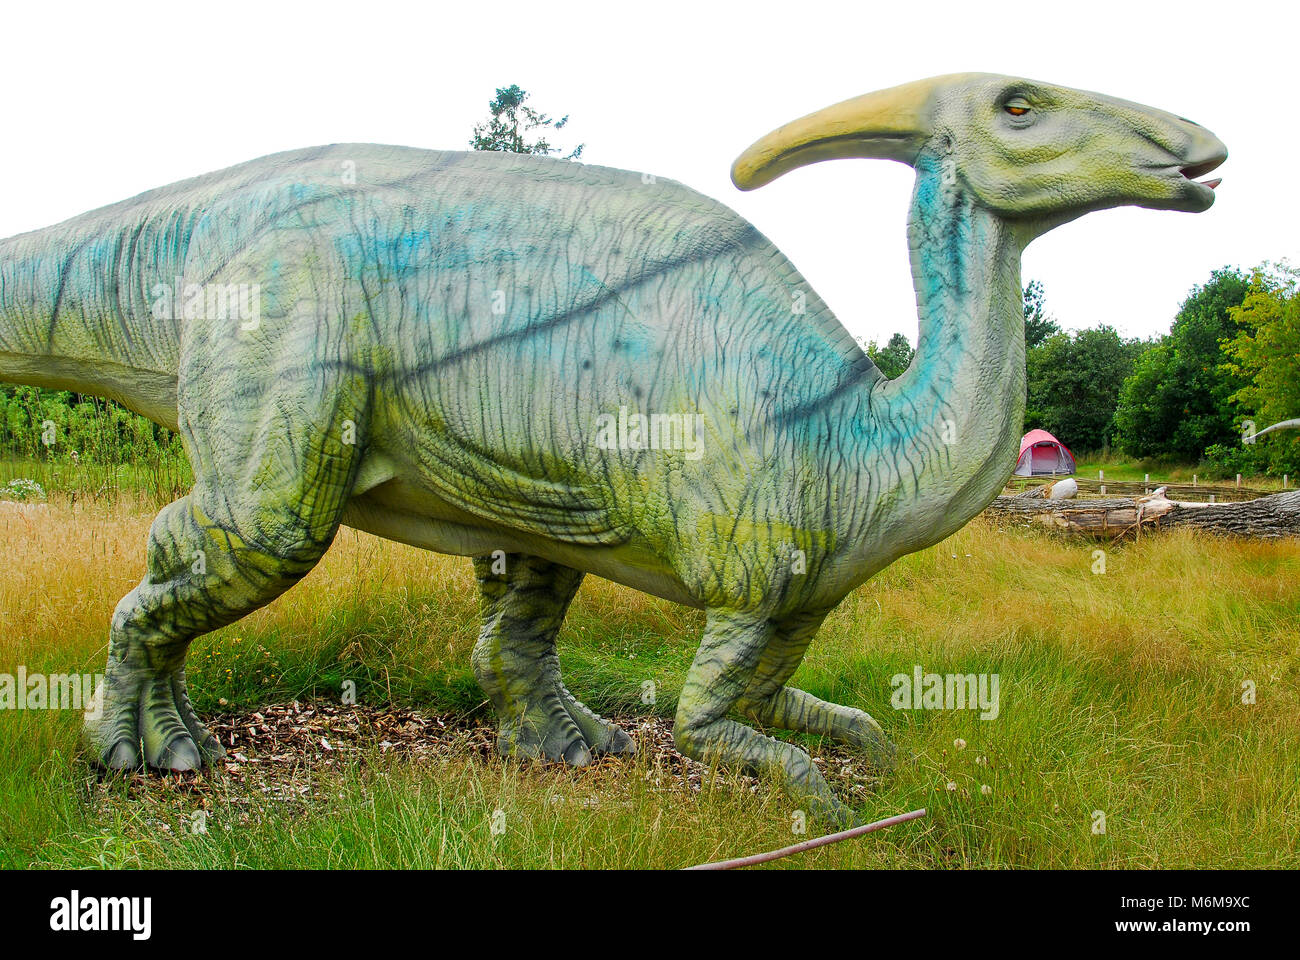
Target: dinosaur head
pixel 1027 151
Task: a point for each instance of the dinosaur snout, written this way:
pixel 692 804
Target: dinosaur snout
pixel 1200 153
pixel 1213 159
pixel 1207 155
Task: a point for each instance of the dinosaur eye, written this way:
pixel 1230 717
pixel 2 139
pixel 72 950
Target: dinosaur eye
pixel 1017 107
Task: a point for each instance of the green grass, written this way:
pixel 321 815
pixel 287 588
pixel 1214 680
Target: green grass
pixel 1118 467
pixel 1119 692
pixel 159 479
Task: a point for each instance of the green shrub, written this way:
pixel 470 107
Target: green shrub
pixel 1224 461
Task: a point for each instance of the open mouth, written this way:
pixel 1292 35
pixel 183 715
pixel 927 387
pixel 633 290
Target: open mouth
pixel 1198 169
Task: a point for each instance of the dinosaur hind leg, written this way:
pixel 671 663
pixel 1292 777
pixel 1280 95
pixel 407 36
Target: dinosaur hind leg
pixel 769 701
pixel 731 652
pixel 524 602
pixel 213 556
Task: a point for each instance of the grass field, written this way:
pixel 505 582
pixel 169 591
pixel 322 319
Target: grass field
pixel 1121 692
pixel 1118 467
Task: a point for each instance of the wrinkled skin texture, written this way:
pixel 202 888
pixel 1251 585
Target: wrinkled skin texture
pixel 441 334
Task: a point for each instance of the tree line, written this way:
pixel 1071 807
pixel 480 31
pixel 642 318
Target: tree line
pixel 1229 363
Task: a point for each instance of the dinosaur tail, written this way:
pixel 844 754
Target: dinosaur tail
pixel 75 316
pixel 1283 425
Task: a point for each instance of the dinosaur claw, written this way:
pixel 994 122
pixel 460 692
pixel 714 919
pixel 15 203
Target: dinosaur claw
pixel 178 756
pixel 121 758
pixel 577 754
pixel 620 744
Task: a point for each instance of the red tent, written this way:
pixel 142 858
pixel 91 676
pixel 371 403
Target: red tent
pixel 1041 453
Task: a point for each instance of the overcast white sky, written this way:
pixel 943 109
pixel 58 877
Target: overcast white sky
pixel 103 101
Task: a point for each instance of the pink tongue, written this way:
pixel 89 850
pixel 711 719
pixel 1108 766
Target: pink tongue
pixel 1211 183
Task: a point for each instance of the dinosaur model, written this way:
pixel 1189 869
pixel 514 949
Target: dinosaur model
pixel 560 369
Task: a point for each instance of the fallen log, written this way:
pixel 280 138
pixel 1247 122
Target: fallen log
pixel 1264 517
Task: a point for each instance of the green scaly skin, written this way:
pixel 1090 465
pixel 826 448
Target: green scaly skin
pixel 524 602
pixel 440 334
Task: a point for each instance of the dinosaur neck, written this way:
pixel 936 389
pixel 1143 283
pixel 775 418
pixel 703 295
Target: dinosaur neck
pixel 943 436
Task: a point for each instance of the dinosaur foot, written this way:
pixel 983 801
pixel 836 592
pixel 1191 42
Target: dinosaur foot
pixel 139 721
pixel 557 726
pixel 866 734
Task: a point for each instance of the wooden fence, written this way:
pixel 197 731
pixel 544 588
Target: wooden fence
pixel 1092 487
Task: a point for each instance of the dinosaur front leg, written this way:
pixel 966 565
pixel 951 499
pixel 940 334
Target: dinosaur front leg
pixel 525 599
pixel 723 669
pixel 771 703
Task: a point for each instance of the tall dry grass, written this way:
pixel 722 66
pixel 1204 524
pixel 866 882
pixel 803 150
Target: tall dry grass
pixel 1121 692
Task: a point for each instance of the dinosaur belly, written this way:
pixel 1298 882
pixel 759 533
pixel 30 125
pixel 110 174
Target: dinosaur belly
pixel 406 514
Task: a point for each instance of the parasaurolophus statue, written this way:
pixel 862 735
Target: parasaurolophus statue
pixel 560 369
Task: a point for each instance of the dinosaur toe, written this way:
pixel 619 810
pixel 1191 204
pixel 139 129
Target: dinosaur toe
pixel 178 756
pixel 121 757
pixel 577 754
